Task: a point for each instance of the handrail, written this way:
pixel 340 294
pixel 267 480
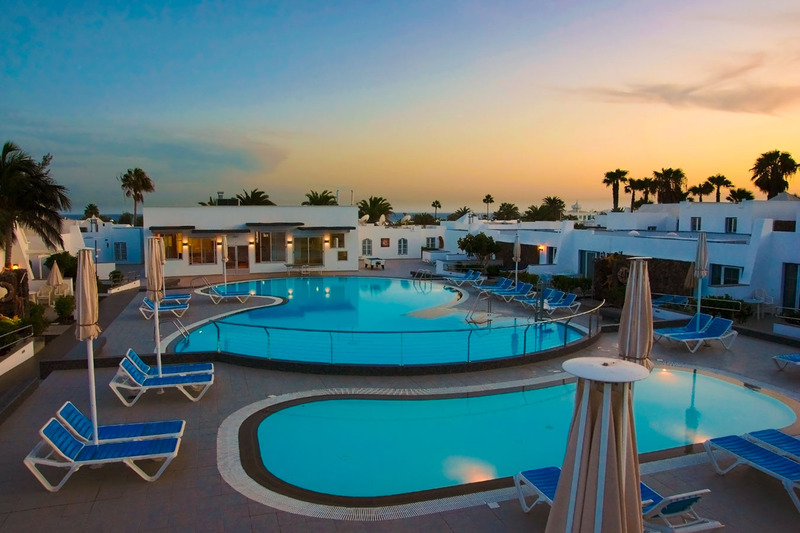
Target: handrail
pixel 181 328
pixel 204 279
pixel 16 336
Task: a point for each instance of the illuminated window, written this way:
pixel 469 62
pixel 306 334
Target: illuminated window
pixel 271 247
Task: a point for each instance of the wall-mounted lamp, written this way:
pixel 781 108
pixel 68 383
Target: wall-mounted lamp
pixel 541 247
pixel 289 242
pixel 186 243
pixel 252 242
pixel 219 243
pixel 327 241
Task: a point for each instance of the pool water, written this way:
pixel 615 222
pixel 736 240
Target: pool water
pixel 380 447
pixel 367 321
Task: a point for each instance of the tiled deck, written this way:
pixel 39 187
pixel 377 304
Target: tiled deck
pixel 192 496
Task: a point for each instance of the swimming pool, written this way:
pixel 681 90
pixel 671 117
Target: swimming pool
pixel 363 450
pixel 368 321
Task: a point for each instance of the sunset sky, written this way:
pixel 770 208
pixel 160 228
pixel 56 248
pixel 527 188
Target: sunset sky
pixel 413 101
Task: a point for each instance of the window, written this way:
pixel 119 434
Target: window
pixel 337 240
pixel 202 251
pixel 784 225
pixel 402 246
pixel 385 243
pixel 695 224
pixel 271 247
pixel 730 224
pixel 120 251
pixel 551 255
pixel 173 245
pixel 341 255
pixel 725 275
pixel 430 242
pixel 366 247
pixel 652 228
pixel 308 251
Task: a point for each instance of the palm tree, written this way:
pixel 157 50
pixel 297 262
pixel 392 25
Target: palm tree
pixel 211 201
pixel 771 171
pixel 718 181
pixel 458 213
pixel 613 179
pixel 30 198
pixel 701 190
pixel 532 214
pixel 135 182
pixel 374 206
pixel 553 207
pixel 739 195
pixel 90 211
pixel 436 205
pixel 325 197
pixel 669 183
pixel 488 200
pixel 649 186
pixel 507 211
pixel 633 186
pixel 254 197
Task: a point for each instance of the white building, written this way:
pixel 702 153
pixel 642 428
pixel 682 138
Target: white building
pixel 752 245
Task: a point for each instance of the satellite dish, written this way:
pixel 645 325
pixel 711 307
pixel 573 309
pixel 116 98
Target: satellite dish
pixel 363 220
pixel 406 219
pixel 382 220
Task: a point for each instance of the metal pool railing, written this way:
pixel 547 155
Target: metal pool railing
pixel 497 339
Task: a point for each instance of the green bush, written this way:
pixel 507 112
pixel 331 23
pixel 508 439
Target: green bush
pixel 493 270
pixel 116 277
pixel 524 277
pixel 568 283
pixel 37 319
pixel 727 307
pixel 65 307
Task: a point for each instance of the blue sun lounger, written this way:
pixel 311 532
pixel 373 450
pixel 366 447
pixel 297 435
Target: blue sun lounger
pixel 502 284
pixel 169 370
pixel 518 290
pixel 719 329
pixel 567 303
pixel 777 441
pixel 80 426
pixel 782 361
pixel 148 308
pixel 180 297
pixel 747 452
pixel 471 276
pixel 698 322
pixel 659 513
pixel 129 380
pixel 217 296
pixel 61 450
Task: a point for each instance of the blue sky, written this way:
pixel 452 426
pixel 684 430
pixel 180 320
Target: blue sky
pixel 413 101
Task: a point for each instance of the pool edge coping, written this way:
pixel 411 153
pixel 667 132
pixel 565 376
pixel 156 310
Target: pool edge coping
pixel 230 465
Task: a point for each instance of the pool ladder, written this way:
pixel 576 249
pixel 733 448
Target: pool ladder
pixel 181 328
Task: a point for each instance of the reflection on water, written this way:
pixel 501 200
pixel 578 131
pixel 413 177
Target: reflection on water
pixel 468 469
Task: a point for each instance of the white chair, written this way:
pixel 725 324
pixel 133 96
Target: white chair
pixel 44 295
pixel 767 301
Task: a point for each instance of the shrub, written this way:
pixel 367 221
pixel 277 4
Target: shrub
pixel 65 307
pixel 568 283
pixel 37 319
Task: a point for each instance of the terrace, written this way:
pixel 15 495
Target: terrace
pixel 191 495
